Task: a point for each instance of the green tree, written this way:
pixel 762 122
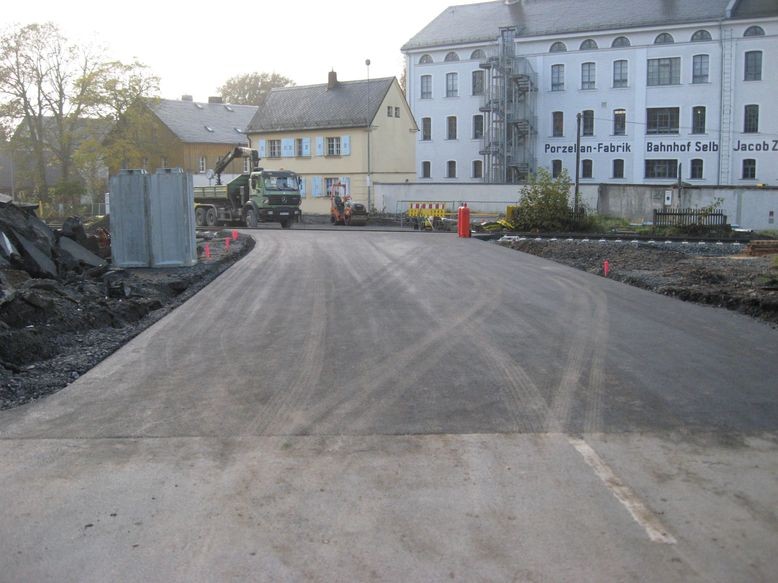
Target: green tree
pixel 544 203
pixel 251 88
pixel 50 85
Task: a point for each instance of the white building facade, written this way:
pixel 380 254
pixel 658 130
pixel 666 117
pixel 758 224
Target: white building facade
pixel 665 90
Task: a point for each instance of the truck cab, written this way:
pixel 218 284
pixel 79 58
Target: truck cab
pixel 274 196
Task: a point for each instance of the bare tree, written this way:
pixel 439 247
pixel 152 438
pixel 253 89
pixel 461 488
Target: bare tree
pixel 251 88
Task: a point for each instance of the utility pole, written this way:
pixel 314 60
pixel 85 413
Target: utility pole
pixel 369 124
pixel 577 156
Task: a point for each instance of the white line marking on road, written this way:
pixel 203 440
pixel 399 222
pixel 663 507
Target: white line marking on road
pixel 642 515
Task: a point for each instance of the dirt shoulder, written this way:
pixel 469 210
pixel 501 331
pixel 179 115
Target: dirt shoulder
pixel 53 331
pixel 714 274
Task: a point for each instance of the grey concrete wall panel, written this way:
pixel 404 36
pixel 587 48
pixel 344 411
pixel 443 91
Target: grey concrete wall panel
pixel 129 219
pixel 172 223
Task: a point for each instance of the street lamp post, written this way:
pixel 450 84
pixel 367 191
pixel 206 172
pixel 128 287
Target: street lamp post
pixel 369 124
pixel 577 157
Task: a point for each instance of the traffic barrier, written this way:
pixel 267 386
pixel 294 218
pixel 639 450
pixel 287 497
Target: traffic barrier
pixel 463 220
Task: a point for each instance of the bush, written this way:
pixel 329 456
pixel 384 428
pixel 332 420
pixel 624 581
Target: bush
pixel 544 203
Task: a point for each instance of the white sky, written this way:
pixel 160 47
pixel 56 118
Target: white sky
pixel 195 46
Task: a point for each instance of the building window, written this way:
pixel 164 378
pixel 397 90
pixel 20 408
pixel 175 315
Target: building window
pixel 557 77
pixel 666 71
pixel 333 146
pixel 588 123
pixel 558 47
pixel 396 112
pixel 478 127
pixel 425 60
pixel 618 168
pixel 588 45
pixel 478 55
pixel 696 169
pixel 664 39
pixel 478 169
pixel 451 127
pixel 452 85
pixel 588 74
pixel 753 66
pixel 619 122
pixel 389 111
pixel 556 168
pixel 426 86
pixel 451 57
pixel 661 168
pixel 751 119
pixel 620 42
pixel 558 124
pixel 620 73
pixel 478 82
pixel 202 164
pixel 700 68
pixel 274 148
pixel 662 120
pixel 586 168
pixel 425 169
pixel 299 149
pixel 700 35
pixel 451 169
pixel 698 119
pixel 329 185
pixel 426 129
pixel 754 31
pixel 749 169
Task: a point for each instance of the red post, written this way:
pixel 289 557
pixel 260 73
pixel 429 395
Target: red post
pixel 227 244
pixel 463 221
pixel 234 234
pixel 207 250
pixel 606 267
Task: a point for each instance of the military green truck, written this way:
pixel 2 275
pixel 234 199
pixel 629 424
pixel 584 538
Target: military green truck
pixel 259 196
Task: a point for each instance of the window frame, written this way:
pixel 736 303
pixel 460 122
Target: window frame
pixel 700 63
pixel 556 168
pixel 620 42
pixel 752 67
pixel 621 77
pixel 620 122
pixel 751 118
pixel 426 165
pixel 449 165
pixel 671 168
pixel 696 169
pixel 666 71
pixel 587 168
pixel 748 167
pixel 557 124
pixel 620 166
pixel 333 146
pixel 672 115
pixel 425 92
pixel 588 76
pixel 476 126
pixel 452 131
pixel 558 77
pixel 426 132
pixel 480 165
pixel 697 126
pixel 477 88
pixel 587 123
pixel 452 84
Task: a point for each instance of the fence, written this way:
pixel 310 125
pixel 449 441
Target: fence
pixel 689 217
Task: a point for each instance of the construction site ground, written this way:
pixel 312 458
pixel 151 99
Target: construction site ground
pixel 722 275
pixel 53 331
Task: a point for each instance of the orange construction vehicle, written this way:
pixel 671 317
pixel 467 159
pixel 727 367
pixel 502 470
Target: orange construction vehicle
pixel 343 210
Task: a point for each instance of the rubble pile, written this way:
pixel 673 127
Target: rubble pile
pixel 63 308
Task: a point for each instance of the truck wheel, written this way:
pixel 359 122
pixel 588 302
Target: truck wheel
pixel 251 218
pixel 210 217
pixel 200 216
pixel 286 224
pixel 332 219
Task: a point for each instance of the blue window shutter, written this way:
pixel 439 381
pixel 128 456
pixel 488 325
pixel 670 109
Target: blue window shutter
pixel 302 186
pixel 287 148
pixel 306 146
pixel 347 181
pixel 317 190
pixel 345 145
pixel 261 148
pixel 320 145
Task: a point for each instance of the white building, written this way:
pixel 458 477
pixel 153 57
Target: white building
pixel 663 86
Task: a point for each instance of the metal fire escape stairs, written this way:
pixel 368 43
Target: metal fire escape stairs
pixel 727 73
pixel 510 122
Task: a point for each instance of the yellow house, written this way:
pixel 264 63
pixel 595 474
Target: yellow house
pixel 172 133
pixel 356 133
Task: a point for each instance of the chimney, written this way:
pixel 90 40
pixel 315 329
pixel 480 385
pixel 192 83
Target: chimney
pixel 332 80
pixel 215 99
pixel 187 98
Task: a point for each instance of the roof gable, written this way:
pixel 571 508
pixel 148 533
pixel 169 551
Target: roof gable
pixel 204 123
pixel 317 106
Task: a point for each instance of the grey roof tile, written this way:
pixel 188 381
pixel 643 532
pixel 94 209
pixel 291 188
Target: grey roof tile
pixel 480 22
pixel 315 106
pixel 191 120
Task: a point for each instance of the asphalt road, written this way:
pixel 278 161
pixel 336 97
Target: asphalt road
pixel 352 405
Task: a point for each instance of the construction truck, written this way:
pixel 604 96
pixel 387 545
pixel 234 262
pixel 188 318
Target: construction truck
pixel 343 209
pixel 258 196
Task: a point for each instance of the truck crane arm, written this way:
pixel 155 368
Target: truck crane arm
pixel 238 152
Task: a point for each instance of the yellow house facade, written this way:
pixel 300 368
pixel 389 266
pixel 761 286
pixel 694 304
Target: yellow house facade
pixel 353 133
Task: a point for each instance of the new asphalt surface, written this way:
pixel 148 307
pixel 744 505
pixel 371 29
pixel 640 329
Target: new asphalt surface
pixel 356 405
